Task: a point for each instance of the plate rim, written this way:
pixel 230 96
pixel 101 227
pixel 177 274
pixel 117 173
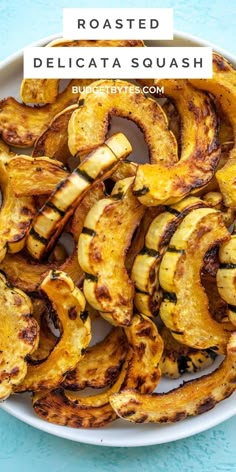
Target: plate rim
pixel 70 433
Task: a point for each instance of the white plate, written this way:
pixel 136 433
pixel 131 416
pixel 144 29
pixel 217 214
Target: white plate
pixel 120 433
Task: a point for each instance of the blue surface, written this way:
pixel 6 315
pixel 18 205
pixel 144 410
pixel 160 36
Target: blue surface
pixel 24 448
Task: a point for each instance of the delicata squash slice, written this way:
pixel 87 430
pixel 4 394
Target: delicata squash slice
pixel 19 335
pixel 103 243
pixel 226 276
pixel 16 213
pixel 223 86
pixel 69 305
pixel 50 221
pixel 88 125
pixel 192 398
pixel 177 359
pixel 168 182
pixel 140 370
pixel 145 270
pixel 43 91
pixel 180 270
pixel 21 125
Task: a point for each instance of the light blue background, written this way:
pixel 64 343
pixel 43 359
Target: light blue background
pixel 23 448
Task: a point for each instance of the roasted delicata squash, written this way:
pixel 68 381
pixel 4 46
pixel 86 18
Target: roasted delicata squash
pixel 145 270
pixel 69 304
pixel 16 214
pixel 168 182
pixel 103 243
pixel 179 359
pixel 140 370
pixel 43 91
pixel 101 364
pixel 53 142
pixel 223 86
pixel 226 276
pixel 21 125
pixel 180 278
pixel 190 399
pixel 52 217
pixel 34 176
pixel 19 334
pixel 47 341
pixel 215 200
pixel 96 107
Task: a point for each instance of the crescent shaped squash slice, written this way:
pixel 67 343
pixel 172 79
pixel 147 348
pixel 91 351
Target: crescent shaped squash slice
pixel 223 86
pixel 184 309
pixel 52 217
pixel 192 398
pixel 21 125
pixel 177 359
pixel 88 125
pixel 101 365
pixel 19 335
pixel 145 270
pixel 226 276
pixel 69 305
pixel 103 243
pixel 43 91
pixel 168 182
pixel 140 369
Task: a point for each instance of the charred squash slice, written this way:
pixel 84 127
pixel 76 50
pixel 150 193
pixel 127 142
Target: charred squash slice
pixel 178 359
pixel 69 304
pixel 101 364
pixel 103 243
pixel 223 86
pixel 140 370
pixel 50 221
pixel 180 269
pixel 43 91
pixel 34 176
pixel 89 124
pixel 16 214
pixel 145 270
pixel 226 276
pixel 192 398
pixel 21 125
pixel 53 142
pixel 215 200
pixel 168 182
pixel 19 336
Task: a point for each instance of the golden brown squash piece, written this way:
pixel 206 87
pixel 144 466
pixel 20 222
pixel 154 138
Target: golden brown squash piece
pixel 192 398
pixel 47 342
pixel 69 304
pixel 21 125
pixel 215 200
pixel 140 370
pixel 168 182
pixel 42 91
pixel 226 276
pixel 101 364
pixel 16 214
pixel 18 336
pixel 103 243
pixel 34 176
pixel 180 278
pixel 178 359
pixel 223 86
pixel 53 216
pixel 53 142
pixel 89 124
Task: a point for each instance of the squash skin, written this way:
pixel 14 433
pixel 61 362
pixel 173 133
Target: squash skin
pixel 19 336
pixel 168 182
pixel 101 253
pixel 192 398
pixel 88 125
pixel 180 279
pixel 226 276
